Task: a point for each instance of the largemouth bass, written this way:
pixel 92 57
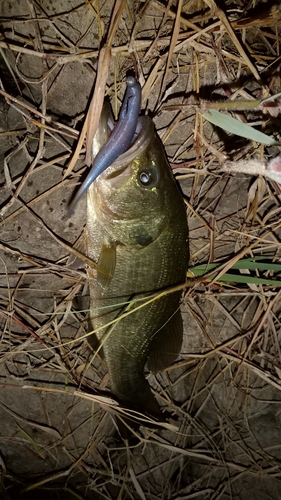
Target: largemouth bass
pixel 137 235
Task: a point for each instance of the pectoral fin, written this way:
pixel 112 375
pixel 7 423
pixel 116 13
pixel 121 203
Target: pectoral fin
pixel 106 265
pixel 166 344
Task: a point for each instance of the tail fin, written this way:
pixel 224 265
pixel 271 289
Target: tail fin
pixel 140 408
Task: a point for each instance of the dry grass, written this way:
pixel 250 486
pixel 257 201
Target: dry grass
pixel 223 394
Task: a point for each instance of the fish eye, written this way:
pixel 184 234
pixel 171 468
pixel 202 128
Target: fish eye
pixel 148 178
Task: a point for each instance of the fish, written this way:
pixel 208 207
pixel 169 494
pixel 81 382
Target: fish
pixel 137 236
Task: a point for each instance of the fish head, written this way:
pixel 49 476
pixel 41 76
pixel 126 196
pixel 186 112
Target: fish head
pixel 131 197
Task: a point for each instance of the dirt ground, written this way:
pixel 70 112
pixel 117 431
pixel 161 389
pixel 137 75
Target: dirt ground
pixel 57 436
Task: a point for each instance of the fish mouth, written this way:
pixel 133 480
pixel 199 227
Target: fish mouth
pixel 120 170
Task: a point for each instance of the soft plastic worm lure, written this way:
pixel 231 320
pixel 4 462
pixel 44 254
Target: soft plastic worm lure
pixel 119 139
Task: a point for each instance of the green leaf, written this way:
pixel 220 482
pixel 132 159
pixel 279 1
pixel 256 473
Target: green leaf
pixel 241 264
pixel 249 264
pixel 237 127
pixel 244 279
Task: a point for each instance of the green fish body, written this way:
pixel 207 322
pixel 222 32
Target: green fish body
pixel 137 236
